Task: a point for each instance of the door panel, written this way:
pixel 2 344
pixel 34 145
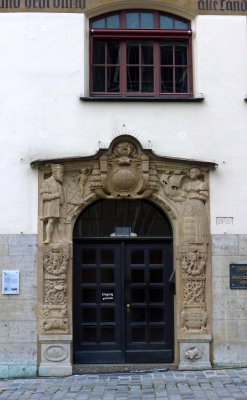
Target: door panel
pixel 123 302
pixel 149 315
pixel 97 309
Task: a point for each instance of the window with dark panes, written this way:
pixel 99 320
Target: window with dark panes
pixel 140 53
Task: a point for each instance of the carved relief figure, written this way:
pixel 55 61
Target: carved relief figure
pixel 75 193
pixel 195 221
pixel 194 193
pixel 52 197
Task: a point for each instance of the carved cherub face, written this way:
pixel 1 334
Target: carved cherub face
pixel 124 149
pixel 194 173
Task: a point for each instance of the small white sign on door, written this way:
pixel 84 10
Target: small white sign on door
pixel 10 282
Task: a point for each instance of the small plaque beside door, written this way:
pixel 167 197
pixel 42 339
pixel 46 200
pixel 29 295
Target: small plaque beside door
pixel 238 276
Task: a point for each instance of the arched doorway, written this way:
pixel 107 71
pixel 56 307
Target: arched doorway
pixel 122 286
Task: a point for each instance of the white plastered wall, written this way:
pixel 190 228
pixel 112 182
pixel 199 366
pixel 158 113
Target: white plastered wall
pixel 42 76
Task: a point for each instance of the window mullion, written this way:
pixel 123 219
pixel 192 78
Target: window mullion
pixel 174 69
pixel 106 68
pixel 140 67
pixel 123 67
pixel 157 69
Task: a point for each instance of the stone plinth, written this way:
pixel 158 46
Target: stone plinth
pixel 194 351
pixel 55 355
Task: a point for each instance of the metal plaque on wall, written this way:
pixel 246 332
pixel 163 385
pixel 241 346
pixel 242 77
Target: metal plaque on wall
pixel 238 276
pixel 10 282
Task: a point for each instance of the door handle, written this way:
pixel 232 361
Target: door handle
pixel 128 307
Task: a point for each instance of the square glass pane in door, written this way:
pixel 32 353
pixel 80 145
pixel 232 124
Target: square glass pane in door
pixel 137 257
pixel 137 295
pixel 156 275
pixel 88 295
pixel 107 275
pixel 88 315
pixel 156 256
pixel 138 314
pixel 107 256
pixel 108 314
pixel 88 275
pixel 88 256
pixel 137 276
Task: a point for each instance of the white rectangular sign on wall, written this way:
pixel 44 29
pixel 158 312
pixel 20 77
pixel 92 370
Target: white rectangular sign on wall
pixel 10 282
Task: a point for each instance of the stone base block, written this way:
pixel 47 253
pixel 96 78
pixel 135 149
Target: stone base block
pixel 194 352
pixel 55 355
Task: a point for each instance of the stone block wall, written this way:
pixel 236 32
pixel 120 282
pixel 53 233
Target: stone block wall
pixel 18 321
pixel 229 305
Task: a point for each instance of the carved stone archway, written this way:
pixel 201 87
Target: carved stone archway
pixel 124 170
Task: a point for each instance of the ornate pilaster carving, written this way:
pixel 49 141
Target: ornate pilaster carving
pixel 193 263
pixel 55 306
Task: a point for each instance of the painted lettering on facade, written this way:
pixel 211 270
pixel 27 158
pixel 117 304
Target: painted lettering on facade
pixel 39 5
pixel 222 5
pixel 196 7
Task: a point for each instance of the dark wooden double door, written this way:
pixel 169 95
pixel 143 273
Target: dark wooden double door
pixel 123 302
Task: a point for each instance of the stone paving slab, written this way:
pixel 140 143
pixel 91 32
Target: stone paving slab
pixel 227 384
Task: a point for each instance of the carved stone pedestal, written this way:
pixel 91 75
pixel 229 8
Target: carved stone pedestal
pixel 194 352
pixel 55 355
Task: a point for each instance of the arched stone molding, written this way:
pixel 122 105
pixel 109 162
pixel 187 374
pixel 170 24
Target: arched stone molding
pixel 124 170
pixel 111 6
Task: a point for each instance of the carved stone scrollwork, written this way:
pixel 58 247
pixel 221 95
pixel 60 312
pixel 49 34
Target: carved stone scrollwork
pixel 193 263
pixel 124 173
pixel 55 307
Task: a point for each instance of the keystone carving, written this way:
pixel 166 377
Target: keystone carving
pixel 124 173
pixel 55 308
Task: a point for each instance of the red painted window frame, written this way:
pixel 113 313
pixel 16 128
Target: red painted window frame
pixel 155 34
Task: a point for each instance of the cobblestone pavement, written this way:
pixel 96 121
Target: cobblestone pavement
pixel 228 384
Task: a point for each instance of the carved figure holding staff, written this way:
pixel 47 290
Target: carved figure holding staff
pixel 52 196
